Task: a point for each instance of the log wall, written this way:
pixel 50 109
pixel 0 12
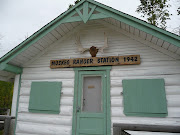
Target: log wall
pixel 154 64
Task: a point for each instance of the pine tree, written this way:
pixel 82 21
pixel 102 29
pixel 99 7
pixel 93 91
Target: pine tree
pixel 156 12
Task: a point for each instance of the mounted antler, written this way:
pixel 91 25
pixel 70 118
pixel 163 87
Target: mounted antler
pixel 93 50
pixel 78 43
pixel 101 49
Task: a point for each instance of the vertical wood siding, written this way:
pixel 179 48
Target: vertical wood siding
pixel 154 65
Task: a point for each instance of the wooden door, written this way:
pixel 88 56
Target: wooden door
pixel 91 103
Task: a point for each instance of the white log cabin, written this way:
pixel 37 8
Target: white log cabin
pixel 61 88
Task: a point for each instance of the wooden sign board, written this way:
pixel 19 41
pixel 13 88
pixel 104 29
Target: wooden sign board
pixel 96 61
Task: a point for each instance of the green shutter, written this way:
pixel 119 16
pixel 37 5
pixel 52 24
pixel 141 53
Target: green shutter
pixel 45 97
pixel 144 97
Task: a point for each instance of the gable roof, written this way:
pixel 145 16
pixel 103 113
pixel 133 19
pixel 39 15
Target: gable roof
pixel 84 11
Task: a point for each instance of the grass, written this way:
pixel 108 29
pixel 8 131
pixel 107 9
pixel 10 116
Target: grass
pixel 1 132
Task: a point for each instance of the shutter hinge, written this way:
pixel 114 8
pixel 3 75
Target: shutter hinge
pixel 105 76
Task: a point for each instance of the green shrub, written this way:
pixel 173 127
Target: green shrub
pixel 6 93
pixel 1 132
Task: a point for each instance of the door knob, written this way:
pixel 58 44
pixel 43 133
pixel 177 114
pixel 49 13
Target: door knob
pixel 83 102
pixel 78 109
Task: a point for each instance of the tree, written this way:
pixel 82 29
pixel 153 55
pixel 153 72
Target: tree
pixel 6 92
pixel 156 11
pixel 75 2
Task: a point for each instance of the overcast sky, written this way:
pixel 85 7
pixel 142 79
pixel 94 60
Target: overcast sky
pixel 21 18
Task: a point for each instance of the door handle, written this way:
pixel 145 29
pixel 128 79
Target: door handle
pixel 83 102
pixel 78 109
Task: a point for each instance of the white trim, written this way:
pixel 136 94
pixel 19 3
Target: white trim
pixel 15 95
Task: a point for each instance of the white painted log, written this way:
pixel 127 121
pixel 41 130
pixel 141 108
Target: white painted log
pixel 173 112
pixel 67 92
pixel 45 115
pixel 116 91
pixel 64 110
pixel 25 134
pixel 23 105
pixel 117 112
pixel 116 102
pixel 171 101
pixel 64 92
pixel 145 72
pixel 45 69
pixel 66 101
pixel 63 101
pixel 137 69
pixel 170 90
pixel 38 118
pixel 148 65
pixel 42 129
pixel 116 83
pixel 169 79
pixel 24 99
pixel 147 120
pixel 48 75
pixel 65 82
pixel 25 91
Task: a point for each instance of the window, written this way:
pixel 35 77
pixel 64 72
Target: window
pixel 45 97
pixel 144 97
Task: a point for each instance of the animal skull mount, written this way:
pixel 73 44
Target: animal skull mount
pixel 93 50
